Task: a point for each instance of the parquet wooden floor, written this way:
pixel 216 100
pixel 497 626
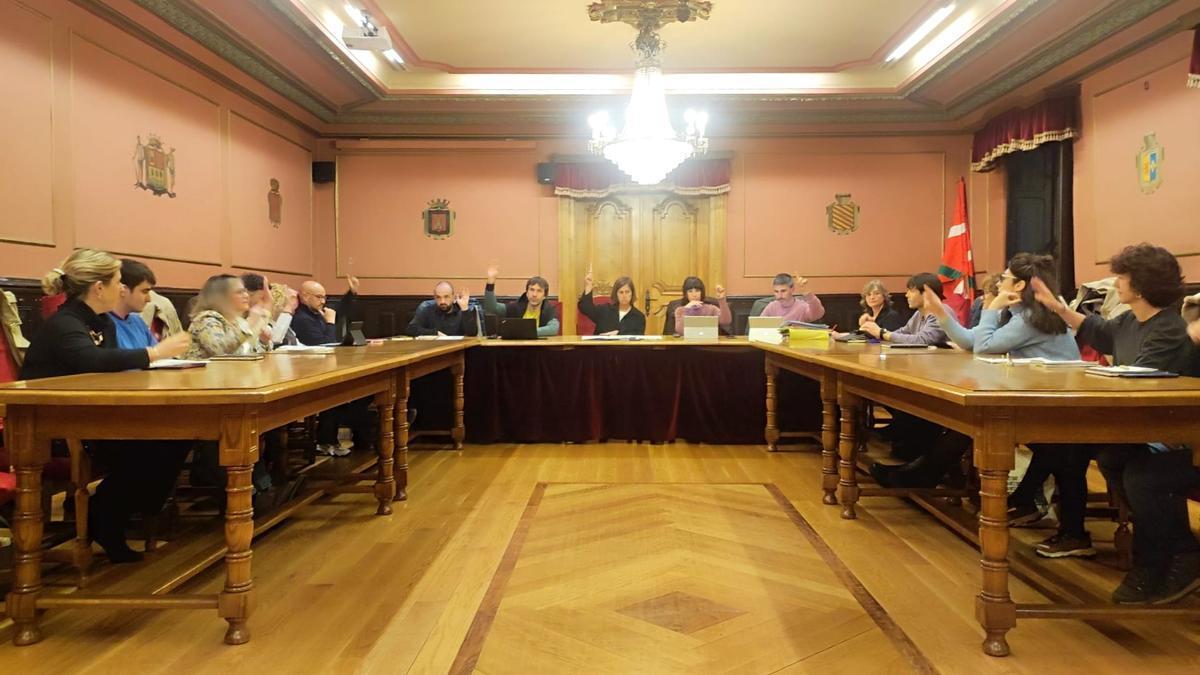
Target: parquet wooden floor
pixel 675 578
pixel 340 590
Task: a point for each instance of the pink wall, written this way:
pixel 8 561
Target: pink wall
pixel 79 93
pixel 1139 95
pixel 776 211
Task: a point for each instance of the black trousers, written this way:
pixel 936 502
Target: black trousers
pixel 1068 464
pixel 140 476
pixel 354 414
pixel 1156 485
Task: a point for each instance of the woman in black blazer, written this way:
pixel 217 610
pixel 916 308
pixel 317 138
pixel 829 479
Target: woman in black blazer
pixel 81 338
pixel 618 318
pixel 877 307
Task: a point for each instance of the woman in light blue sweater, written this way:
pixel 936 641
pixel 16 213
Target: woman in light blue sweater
pixel 1014 323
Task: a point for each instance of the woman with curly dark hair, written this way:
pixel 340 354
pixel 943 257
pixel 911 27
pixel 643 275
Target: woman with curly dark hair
pixel 1155 478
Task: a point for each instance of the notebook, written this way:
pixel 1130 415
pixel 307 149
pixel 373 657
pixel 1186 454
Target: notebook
pixel 1128 371
pixel 176 364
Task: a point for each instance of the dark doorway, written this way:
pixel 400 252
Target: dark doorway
pixel 1039 207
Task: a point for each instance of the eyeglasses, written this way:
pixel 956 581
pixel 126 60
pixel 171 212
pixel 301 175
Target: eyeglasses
pixel 314 295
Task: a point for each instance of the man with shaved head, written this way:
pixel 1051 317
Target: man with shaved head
pixel 315 322
pixel 448 313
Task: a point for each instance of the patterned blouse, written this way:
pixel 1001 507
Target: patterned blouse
pixel 214 335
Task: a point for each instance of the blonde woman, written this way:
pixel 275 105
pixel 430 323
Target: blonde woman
pixel 81 338
pixel 224 323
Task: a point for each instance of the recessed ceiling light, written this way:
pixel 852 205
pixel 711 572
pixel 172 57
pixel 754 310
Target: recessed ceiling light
pixel 920 33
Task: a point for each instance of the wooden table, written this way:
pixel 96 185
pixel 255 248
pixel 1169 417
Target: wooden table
pixel 1000 406
pixel 231 402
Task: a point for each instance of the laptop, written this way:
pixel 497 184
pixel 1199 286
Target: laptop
pixel 700 328
pixel 766 329
pixel 491 325
pixel 518 329
pixel 354 335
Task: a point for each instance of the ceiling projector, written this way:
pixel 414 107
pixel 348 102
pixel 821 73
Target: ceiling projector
pixel 367 37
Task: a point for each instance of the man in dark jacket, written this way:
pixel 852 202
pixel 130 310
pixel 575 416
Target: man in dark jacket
pixel 315 322
pixel 448 313
pixel 531 305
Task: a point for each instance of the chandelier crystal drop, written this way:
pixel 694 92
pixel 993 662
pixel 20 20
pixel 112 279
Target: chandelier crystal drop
pixel 648 148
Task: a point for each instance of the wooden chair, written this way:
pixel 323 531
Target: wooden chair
pixel 584 325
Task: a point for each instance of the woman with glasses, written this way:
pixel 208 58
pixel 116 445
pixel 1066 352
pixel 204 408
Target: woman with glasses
pixel 224 323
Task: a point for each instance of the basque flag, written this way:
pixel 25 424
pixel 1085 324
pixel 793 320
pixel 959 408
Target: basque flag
pixel 958 267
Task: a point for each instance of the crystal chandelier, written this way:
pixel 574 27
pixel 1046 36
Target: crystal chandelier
pixel 647 148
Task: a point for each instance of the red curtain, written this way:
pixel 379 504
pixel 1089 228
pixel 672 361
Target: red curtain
pixel 1194 69
pixel 1055 119
pixel 601 178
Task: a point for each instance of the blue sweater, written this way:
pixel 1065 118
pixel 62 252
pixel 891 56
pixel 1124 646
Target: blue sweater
pixel 1016 337
pixel 132 332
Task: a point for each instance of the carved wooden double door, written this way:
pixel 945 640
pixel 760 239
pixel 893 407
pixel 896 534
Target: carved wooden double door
pixel 656 238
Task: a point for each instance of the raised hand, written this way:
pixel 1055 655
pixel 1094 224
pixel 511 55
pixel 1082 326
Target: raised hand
pixel 720 292
pixel 1043 294
pixel 463 298
pixel 801 284
pixel 291 300
pixel 492 273
pixel 353 281
pixel 588 282
pixel 933 304
pixel 1005 300
pixel 170 347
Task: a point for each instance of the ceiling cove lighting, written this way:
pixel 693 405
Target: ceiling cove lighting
pixel 393 56
pixel 647 148
pixel 920 33
pixel 947 37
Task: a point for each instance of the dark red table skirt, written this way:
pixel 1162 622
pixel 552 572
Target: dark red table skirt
pixel 548 395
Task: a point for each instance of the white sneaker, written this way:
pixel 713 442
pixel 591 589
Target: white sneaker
pixel 328 449
pixel 339 451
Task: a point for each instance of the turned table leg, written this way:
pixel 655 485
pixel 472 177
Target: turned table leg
pixel 459 432
pixel 238 453
pixel 829 438
pixel 385 483
pixel 772 431
pixel 29 455
pixel 848 453
pixel 401 435
pixel 994 457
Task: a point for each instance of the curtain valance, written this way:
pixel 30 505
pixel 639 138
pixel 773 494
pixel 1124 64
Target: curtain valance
pixel 1055 119
pixel 1194 69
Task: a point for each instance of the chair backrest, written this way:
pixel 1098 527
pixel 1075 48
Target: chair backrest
pixel 584 325
pixel 49 304
pixel 669 319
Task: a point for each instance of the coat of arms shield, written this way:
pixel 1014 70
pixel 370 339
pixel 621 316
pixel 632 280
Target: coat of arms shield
pixel 1149 161
pixel 154 167
pixel 842 214
pixel 438 219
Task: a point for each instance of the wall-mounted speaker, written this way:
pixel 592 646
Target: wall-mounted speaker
pixel 324 172
pixel 545 173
